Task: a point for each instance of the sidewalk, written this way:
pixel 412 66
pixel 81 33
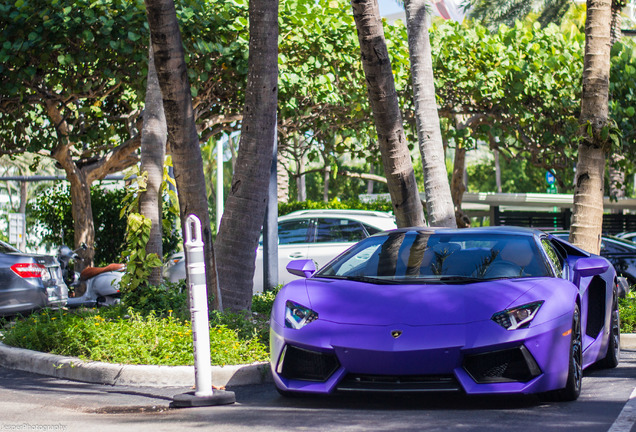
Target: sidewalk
pixel 127 375
pixel 147 376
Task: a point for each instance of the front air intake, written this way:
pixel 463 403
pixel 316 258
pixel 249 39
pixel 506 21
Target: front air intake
pixel 510 365
pixel 305 365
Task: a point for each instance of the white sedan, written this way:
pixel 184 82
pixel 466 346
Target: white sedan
pixel 320 235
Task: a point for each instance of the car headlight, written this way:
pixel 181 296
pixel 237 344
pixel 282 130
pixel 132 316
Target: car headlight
pixel 298 316
pixel 517 317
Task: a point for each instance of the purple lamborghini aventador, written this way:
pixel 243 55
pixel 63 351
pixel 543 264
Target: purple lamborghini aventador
pixel 481 310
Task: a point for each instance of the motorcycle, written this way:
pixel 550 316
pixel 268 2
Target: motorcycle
pixel 94 286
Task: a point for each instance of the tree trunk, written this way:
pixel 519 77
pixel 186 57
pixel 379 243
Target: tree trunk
pixel 301 185
pixel 182 133
pixel 457 185
pixel 326 175
pixel 153 152
pixel 587 216
pixel 81 208
pixel 370 182
pixel 282 179
pixel 245 207
pixel 615 172
pixel 22 210
pixel 384 103
pixel 439 203
pixel 617 20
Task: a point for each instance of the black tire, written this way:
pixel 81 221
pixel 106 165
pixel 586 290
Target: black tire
pixel 612 357
pixel 572 388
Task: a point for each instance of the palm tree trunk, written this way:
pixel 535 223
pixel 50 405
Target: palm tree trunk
pixel 587 216
pixel 439 203
pixel 182 132
pixel 384 103
pixel 245 206
pixel 153 151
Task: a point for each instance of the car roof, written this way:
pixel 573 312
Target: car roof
pixel 509 230
pixel 340 212
pixel 378 219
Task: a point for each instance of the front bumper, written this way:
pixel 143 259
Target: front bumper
pixel 477 358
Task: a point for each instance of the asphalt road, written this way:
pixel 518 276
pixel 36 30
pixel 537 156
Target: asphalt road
pixel 32 402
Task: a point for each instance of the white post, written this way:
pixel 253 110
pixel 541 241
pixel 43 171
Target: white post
pixel 219 183
pixel 195 260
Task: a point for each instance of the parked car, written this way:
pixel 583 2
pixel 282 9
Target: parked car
pixel 631 236
pixel 319 235
pixel 478 310
pixel 29 282
pixel 620 252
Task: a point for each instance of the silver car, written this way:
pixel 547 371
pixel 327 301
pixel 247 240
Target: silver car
pixel 320 235
pixel 29 282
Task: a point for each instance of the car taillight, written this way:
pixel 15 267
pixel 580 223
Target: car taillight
pixel 31 270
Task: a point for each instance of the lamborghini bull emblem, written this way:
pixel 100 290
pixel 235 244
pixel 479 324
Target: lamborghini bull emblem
pixel 396 333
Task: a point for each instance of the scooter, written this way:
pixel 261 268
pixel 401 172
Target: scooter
pixel 94 286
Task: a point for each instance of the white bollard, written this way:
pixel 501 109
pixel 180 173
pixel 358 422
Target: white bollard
pixel 195 268
pixel 195 259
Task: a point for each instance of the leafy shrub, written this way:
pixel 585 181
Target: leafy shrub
pixel 131 339
pixel 162 300
pixel 52 213
pixel 350 204
pixel 627 309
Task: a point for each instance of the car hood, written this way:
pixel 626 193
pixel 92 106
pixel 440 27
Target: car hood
pixel 351 302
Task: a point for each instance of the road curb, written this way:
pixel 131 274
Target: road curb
pixel 127 375
pixel 145 375
pixel 628 340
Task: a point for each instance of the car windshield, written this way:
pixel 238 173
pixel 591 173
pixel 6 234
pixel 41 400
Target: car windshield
pixel 443 257
pixel 7 248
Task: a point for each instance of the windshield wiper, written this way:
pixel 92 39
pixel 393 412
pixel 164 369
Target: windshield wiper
pixel 460 279
pixel 367 279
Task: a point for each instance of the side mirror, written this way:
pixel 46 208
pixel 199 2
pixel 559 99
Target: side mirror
pixel 590 266
pixel 303 268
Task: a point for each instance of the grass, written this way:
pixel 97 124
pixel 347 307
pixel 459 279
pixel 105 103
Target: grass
pixel 155 334
pixel 627 309
pixel 132 336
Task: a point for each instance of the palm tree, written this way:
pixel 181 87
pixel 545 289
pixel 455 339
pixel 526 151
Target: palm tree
pixel 246 203
pixel 182 133
pixel 439 202
pixel 386 112
pixel 153 152
pixel 587 217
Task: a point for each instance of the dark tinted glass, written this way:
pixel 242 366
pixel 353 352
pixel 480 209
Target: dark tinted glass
pixel 290 232
pixel 339 230
pixel 429 256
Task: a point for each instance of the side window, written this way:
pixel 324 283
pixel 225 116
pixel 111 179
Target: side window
pixel 339 230
pixel 371 230
pixel 290 232
pixel 555 258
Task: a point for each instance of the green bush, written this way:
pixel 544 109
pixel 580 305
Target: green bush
pixel 52 213
pixel 131 339
pixel 153 329
pixel 627 309
pixel 350 204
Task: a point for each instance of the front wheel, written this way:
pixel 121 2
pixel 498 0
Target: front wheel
pixel 107 301
pixel 572 388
